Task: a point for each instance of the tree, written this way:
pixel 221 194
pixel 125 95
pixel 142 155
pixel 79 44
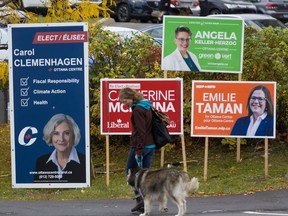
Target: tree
pixel 63 11
pixel 4 89
pixel 266 59
pixel 60 11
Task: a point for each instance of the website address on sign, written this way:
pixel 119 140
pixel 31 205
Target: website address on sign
pixel 211 128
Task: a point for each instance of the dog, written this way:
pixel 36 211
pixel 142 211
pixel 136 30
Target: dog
pixel 160 185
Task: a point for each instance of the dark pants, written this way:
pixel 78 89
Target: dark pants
pixel 147 159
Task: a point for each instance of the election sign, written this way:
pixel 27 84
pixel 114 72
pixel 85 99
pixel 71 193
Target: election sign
pixel 49 100
pixel 233 109
pixel 165 94
pixel 205 44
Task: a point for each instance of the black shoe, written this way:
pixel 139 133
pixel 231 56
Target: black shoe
pixel 141 210
pixel 138 207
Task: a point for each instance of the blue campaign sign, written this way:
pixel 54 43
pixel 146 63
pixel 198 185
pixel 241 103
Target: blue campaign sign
pixel 49 100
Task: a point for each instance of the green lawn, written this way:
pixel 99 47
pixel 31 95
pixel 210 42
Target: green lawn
pixel 225 175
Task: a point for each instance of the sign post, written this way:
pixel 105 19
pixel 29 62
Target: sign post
pixel 204 44
pixel 225 109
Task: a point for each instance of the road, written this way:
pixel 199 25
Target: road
pixel 269 203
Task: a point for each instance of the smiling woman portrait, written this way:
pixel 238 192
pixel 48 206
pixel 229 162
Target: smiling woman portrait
pixel 65 163
pixel 259 121
pixel 181 59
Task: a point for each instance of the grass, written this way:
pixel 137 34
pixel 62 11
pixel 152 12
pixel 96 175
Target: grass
pixel 225 175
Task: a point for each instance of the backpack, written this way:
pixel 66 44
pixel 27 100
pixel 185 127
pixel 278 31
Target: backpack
pixel 160 132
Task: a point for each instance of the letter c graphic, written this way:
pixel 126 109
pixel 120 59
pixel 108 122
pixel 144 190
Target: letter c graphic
pixel 21 137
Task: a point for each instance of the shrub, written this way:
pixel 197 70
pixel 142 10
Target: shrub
pixel 265 59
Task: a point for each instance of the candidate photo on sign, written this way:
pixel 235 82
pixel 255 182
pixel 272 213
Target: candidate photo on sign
pixel 65 163
pixel 259 121
pixel 181 59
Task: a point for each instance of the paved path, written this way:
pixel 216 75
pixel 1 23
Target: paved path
pixel 261 203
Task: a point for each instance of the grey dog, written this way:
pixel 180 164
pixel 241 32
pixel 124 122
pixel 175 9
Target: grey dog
pixel 160 185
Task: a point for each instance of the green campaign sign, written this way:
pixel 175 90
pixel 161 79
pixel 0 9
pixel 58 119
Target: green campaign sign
pixel 205 44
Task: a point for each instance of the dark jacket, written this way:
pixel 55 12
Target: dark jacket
pixel 241 126
pixel 142 136
pixel 76 173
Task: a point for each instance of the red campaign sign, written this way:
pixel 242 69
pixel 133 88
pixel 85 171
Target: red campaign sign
pixel 165 94
pixel 60 37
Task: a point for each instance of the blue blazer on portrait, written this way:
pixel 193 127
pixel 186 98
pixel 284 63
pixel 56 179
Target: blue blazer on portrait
pixel 241 126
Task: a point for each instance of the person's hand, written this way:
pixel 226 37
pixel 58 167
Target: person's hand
pixel 139 160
